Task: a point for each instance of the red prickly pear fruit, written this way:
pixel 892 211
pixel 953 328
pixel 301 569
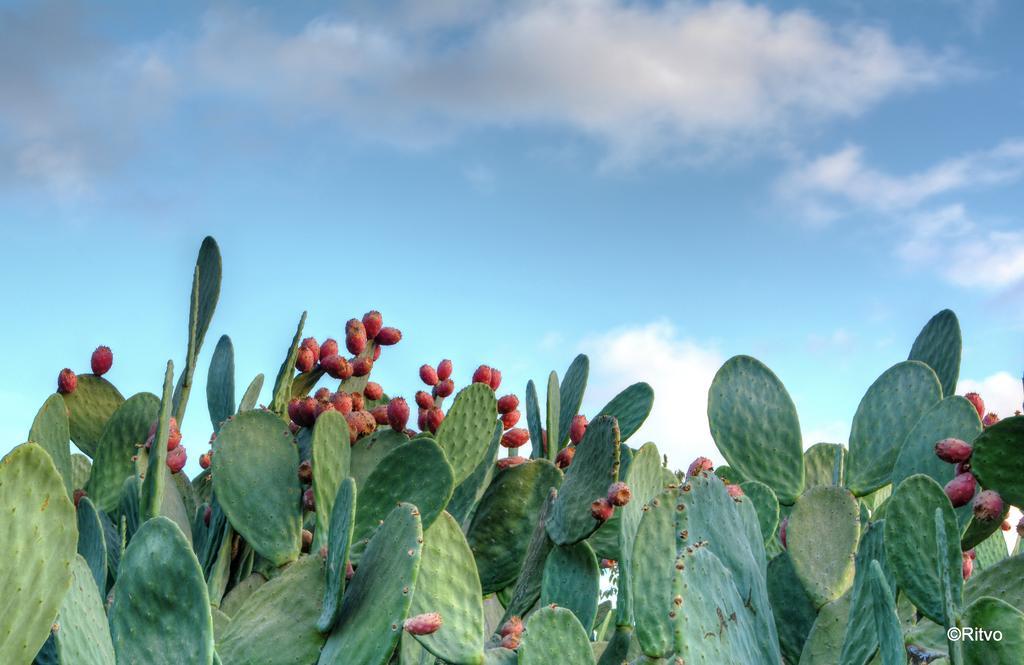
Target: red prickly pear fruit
pixel 423 624
pixel 434 418
pixel 953 450
pixel 336 367
pixel 323 406
pixel 510 642
pixel 102 359
pixel 307 540
pixel 373 391
pixel 304 411
pixel 354 426
pixel 619 494
pixel 979 404
pixel 349 570
pixel 602 509
pixel 444 370
pixel 309 501
pixel 514 626
pixel 294 427
pixel 444 388
pixel 700 465
pixel 358 401
pixel 380 414
pixel 376 352
pixel 507 462
pixel 328 348
pixel 482 375
pixel 428 375
pixel 388 336
pixel 77 496
pixel 990 419
pixel 322 395
pixel 355 336
pixel 207 514
pixel 362 366
pixel 608 563
pixel 305 472
pixel 314 346
pixel 782 531
pixel 304 360
pixel 495 381
pixel 66 382
pixel 967 568
pixel 1005 526
pixel 577 428
pixel 960 490
pixel 735 491
pixel 421 419
pixel 342 402
pixel 397 414
pixel 424 400
pixel 372 323
pixel 509 420
pixel 564 457
pixel 367 422
pixel 176 459
pixel 204 461
pixel 514 438
pixel 988 506
pixel 544 441
pixel 507 404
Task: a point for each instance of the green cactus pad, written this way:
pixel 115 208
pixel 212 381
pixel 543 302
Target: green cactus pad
pixel 594 468
pixel 952 417
pixel 51 431
pixel 705 629
pixel 92 545
pixel 762 498
pixel 630 408
pixel 95 399
pixel 938 345
pixel 415 473
pixel 570 396
pixel 251 395
pixel 467 494
pixel 283 383
pixel 825 566
pixel 126 430
pixel 448 584
pixel 370 450
pixel 161 611
pixel 654 553
pixel 378 599
pixel 553 407
pixel 533 421
pixel 81 469
pixel 36 550
pixel 998 459
pixel 220 383
pixel 825 640
pixel 152 491
pixel 205 293
pixel 910 544
pixel 504 520
pixel 467 429
pixel 276 625
pixel 331 459
pixel 820 463
pixel 83 636
pixel 993 615
pixel 990 551
pixel 887 623
pixel 755 426
pixel 861 639
pixel 793 610
pixel 343 516
pixel 240 594
pixel 886 415
pixel 1000 580
pixel 572 580
pixel 554 635
pixel 255 476
pixel 527 589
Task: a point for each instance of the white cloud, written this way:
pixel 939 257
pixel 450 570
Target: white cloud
pixel 1001 392
pixel 680 370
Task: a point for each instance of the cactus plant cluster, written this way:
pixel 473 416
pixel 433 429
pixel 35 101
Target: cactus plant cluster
pixel 322 529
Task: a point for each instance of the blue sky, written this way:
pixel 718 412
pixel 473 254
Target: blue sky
pixel 661 185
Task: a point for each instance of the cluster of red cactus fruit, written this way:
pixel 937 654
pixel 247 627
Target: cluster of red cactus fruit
pixel 511 633
pixel 703 465
pixel 987 504
pixel 618 495
pixel 360 335
pixel 101 361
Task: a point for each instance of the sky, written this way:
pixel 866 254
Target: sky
pixel 660 185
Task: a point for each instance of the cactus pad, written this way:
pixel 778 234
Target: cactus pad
pixel 93 402
pixel 572 580
pixel 331 458
pixel 467 429
pixel 570 396
pixel 220 383
pixel 993 614
pixel 825 566
pixel 630 408
pixel 126 430
pixel 92 545
pixel 554 635
pixel 998 459
pixel 83 635
pixel 595 467
pixel 762 498
pixel 343 516
pixel 939 345
pixel 51 431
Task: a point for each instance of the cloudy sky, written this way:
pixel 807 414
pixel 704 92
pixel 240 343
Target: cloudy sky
pixel 659 184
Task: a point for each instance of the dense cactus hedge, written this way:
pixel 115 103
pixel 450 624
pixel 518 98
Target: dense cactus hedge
pixel 324 530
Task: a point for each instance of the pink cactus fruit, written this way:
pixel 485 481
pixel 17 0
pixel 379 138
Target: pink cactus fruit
pixel 372 323
pixel 967 567
pixel 514 626
pixel 176 459
pixel 619 494
pixel 336 367
pixel 990 419
pixel 953 450
pixel 699 466
pixel 602 509
pixel 204 461
pixel 314 346
pixel 424 400
pixel 423 624
pixel 507 462
pixel 309 501
pixel 988 506
pixel 362 366
pixel 782 531
pixel 510 419
pixel 428 375
pixel 564 457
pixel 735 491
pixel 515 438
pixel 102 359
pixel 507 404
pixel 960 490
pixel 66 382
pixel 307 540
pixel 495 381
pixel 397 414
pixel 482 374
pixel 444 370
pixel 304 360
pixel 328 348
pixel 577 428
pixel 388 336
pixel 305 472
pixel 979 404
pixel 434 418
pixel 355 336
pixel 444 388
pixel 373 391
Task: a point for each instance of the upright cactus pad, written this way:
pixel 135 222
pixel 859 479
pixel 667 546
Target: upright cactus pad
pixel 125 432
pixel 331 460
pixel 938 345
pixel 998 459
pixel 630 408
pixel 52 432
pixel 83 635
pixel 89 407
pixel 825 566
pixel 466 431
pixel 37 548
pixel 554 635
